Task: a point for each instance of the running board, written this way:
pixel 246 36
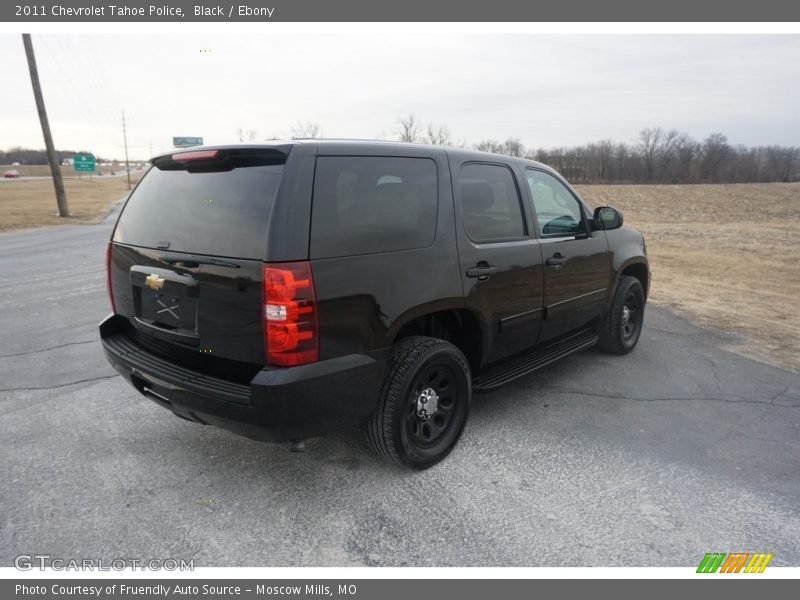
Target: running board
pixel 519 366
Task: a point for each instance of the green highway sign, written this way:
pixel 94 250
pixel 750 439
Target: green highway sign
pixel 186 142
pixel 83 163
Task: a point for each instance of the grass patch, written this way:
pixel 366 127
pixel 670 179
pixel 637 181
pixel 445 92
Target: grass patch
pixel 725 254
pixel 32 203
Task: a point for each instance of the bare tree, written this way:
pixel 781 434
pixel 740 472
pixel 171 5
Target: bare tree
pixel 490 146
pixel 715 152
pixel 439 135
pixel 511 147
pixel 686 150
pixel 514 147
pixel 666 155
pixel 249 135
pixel 782 162
pixel 306 129
pixel 621 158
pixel 410 129
pixel 605 151
pixel 649 146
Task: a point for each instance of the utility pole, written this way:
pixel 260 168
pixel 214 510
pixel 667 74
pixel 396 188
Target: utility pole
pixel 125 139
pixel 55 167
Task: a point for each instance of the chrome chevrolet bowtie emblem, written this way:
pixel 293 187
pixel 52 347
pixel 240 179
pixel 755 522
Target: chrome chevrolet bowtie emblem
pixel 154 282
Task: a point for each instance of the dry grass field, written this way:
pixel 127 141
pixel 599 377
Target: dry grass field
pixel 724 255
pixel 32 203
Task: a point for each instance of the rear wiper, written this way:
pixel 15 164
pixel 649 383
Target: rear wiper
pixel 196 261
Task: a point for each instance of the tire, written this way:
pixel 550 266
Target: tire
pixel 618 334
pixel 399 430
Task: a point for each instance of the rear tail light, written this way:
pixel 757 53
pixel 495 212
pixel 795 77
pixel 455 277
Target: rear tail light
pixel 291 335
pixel 109 250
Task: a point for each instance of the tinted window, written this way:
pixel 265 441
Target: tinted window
pixel 218 213
pixel 372 204
pixel 558 212
pixel 490 203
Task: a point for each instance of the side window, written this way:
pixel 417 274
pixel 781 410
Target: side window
pixel 490 203
pixel 365 204
pixel 558 212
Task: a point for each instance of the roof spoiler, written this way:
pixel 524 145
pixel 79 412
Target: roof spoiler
pixel 198 160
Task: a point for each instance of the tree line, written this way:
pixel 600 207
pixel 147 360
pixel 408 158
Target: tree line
pixel 656 156
pixel 669 156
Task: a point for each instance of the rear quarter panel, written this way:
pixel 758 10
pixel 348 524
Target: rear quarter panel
pixel 364 300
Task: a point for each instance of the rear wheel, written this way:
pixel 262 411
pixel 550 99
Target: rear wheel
pixel 622 325
pixel 424 403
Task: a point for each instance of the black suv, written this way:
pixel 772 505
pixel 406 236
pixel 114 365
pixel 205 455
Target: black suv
pixel 286 290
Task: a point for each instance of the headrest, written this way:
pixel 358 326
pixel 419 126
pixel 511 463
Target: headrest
pixel 476 197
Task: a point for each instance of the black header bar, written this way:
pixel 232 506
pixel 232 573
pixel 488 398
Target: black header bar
pixel 264 11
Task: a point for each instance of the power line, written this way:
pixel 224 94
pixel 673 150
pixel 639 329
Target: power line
pixel 87 105
pixel 81 64
pixel 77 95
pixel 77 58
pixel 111 101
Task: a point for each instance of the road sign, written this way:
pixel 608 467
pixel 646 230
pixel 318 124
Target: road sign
pixel 186 142
pixel 83 163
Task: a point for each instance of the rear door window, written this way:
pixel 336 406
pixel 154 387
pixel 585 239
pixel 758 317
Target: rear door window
pixel 219 213
pixel 490 204
pixel 368 204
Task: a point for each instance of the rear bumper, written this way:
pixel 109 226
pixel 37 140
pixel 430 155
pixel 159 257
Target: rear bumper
pixel 279 405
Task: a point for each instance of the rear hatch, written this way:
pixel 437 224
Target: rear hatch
pixel 185 263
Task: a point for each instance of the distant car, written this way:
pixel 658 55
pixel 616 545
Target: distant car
pixel 12 174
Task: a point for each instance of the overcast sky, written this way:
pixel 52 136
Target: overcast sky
pixel 547 90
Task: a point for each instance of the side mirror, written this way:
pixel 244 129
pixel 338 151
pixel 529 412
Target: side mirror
pixel 607 217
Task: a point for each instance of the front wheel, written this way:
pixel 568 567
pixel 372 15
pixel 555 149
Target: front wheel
pixel 424 403
pixel 622 325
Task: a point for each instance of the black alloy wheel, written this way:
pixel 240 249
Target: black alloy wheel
pixel 424 403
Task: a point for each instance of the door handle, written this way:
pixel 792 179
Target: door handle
pixel 482 271
pixel 555 261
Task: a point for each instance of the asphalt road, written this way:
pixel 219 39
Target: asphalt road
pixel 652 459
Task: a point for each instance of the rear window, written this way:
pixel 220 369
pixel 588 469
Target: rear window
pixel 221 213
pixel 365 204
